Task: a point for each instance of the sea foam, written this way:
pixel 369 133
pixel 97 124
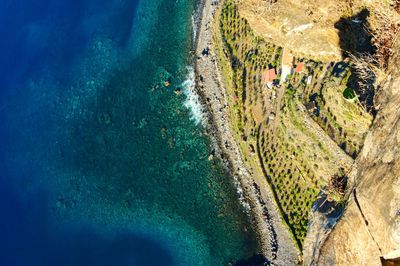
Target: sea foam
pixel 192 101
pixel 194 27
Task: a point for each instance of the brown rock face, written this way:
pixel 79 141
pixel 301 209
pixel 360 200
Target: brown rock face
pixel 369 231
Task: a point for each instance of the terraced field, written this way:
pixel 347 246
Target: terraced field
pixel 300 128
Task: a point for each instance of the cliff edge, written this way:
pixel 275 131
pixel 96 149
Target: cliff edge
pixel 369 231
pixel 312 100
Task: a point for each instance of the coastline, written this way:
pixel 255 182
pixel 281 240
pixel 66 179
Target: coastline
pixel 275 241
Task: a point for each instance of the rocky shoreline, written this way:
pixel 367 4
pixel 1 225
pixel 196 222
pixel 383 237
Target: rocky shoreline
pixel 275 241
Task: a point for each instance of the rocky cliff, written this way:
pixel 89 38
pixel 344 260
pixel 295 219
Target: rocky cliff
pixel 369 231
pixel 300 79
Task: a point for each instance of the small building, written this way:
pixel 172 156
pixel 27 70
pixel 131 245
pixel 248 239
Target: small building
pixel 269 76
pixel 272 74
pixel 299 67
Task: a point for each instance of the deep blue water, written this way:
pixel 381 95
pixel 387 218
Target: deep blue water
pixel 100 163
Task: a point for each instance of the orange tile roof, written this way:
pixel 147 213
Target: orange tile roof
pixel 299 67
pixel 269 75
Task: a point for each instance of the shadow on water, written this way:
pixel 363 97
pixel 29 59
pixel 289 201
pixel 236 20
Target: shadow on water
pixel 27 238
pixel 356 41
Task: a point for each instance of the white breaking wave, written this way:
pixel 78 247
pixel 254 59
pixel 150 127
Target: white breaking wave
pixel 194 28
pixel 239 191
pixel 192 101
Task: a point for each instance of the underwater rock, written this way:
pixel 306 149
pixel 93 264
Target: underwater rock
pixel 163 132
pixel 178 91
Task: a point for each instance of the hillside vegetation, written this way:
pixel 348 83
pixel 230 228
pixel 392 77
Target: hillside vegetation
pixel 300 129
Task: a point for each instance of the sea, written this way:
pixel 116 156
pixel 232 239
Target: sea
pixel 103 155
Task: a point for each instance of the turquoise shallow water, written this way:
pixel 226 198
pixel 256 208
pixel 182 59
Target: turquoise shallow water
pixel 101 163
